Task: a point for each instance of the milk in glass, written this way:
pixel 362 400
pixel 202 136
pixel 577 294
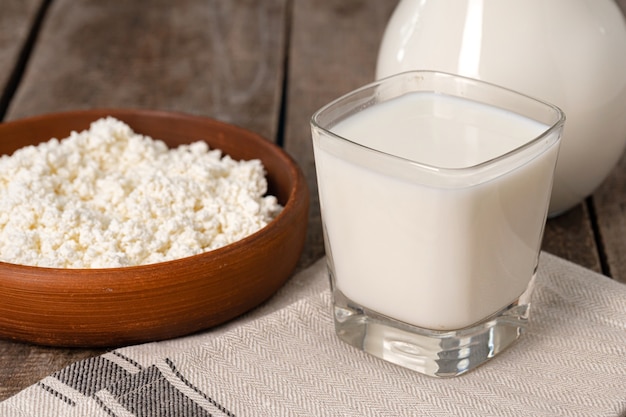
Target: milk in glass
pixel 437 251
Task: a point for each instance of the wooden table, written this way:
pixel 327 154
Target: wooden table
pixel 264 65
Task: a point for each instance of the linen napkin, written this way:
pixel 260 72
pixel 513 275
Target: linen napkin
pixel 285 360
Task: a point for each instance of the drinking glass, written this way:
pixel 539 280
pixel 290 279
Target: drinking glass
pixel 434 190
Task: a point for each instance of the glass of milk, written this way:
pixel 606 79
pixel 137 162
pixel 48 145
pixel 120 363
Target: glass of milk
pixel 434 190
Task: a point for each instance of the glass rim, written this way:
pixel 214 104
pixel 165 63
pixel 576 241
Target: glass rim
pixel 559 118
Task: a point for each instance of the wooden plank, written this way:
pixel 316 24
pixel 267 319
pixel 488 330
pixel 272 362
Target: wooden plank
pixel 333 50
pixel 610 207
pixel 609 202
pixel 215 58
pixel 570 236
pixel 16 19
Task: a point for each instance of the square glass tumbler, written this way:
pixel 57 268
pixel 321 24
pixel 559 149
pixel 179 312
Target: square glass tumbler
pixel 434 192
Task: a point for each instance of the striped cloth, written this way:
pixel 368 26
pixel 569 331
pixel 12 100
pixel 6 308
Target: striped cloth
pixel 285 360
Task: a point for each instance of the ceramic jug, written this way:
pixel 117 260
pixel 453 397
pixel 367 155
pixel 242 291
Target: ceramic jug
pixel 571 53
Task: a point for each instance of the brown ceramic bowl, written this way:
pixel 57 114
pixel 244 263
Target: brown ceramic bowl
pixel 120 306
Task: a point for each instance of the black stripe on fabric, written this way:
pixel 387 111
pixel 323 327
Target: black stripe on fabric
pixel 103 406
pixel 91 375
pixel 149 394
pixel 56 393
pixel 127 359
pixel 220 407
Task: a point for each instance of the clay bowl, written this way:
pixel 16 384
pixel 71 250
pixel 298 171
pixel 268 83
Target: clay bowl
pixel 121 306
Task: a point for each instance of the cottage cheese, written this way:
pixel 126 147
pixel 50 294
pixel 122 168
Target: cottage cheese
pixel 108 197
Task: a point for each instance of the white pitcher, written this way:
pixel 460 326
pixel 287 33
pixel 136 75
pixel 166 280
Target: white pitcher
pixel 571 53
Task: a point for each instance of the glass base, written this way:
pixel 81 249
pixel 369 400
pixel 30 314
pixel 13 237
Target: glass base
pixel 431 352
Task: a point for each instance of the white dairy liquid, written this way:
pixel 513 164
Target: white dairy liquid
pixel 438 257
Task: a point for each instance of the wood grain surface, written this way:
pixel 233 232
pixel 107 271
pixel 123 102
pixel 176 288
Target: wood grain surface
pixel 214 58
pixel 17 20
pixel 263 65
